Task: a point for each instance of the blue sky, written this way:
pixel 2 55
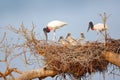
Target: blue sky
pixel 77 13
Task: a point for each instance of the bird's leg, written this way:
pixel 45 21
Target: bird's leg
pixel 54 35
pixel 105 36
pixel 97 36
pixel 102 33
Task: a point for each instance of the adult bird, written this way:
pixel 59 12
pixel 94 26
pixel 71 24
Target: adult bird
pixel 97 27
pixel 53 25
pixel 71 40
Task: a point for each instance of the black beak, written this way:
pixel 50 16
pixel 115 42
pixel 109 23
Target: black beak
pixel 45 32
pixel 90 25
pixel 88 28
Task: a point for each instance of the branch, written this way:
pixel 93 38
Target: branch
pixel 112 57
pixel 38 73
pixel 9 72
pixel 3 38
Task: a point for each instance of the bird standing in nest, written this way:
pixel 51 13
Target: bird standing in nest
pixel 63 41
pixel 97 27
pixel 71 40
pixel 82 37
pixel 53 25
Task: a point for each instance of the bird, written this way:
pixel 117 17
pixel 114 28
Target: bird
pixel 100 27
pixel 82 37
pixel 62 41
pixel 71 40
pixel 53 25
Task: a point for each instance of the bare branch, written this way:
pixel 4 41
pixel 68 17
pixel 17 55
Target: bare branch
pixel 38 73
pixel 3 38
pixel 112 58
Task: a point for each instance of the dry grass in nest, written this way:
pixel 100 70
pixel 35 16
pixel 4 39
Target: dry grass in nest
pixel 79 60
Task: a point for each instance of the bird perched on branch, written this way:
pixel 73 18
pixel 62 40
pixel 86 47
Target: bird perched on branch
pixel 53 25
pixel 70 39
pixel 97 27
pixel 63 41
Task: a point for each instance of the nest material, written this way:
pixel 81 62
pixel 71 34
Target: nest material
pixel 79 60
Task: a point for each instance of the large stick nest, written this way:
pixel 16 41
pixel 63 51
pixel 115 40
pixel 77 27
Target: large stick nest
pixel 79 60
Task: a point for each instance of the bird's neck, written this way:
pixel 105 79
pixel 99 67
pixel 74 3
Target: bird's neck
pixel 48 29
pixel 92 28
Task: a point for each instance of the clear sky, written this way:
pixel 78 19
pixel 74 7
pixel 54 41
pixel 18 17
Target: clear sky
pixel 77 13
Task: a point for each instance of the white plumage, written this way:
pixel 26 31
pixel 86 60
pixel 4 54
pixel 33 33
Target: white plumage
pixel 100 27
pixel 63 41
pixel 71 40
pixel 53 25
pixel 97 27
pixel 82 37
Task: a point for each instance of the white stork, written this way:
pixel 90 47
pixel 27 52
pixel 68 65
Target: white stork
pixel 71 40
pixel 97 27
pixel 53 25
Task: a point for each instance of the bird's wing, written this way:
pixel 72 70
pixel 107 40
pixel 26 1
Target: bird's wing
pixel 100 27
pixel 56 24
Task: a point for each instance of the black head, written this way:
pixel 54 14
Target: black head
pixel 90 25
pixel 69 34
pixel 82 35
pixel 46 30
pixel 61 37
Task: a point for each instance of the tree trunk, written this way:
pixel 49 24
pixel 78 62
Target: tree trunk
pixel 113 58
pixel 43 72
pixel 38 73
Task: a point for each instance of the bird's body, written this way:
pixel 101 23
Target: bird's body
pixel 97 27
pixel 53 25
pixel 71 40
pixel 63 41
pixel 100 27
pixel 82 37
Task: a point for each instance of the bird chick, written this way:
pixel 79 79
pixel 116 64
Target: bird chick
pixel 63 41
pixel 82 37
pixel 71 40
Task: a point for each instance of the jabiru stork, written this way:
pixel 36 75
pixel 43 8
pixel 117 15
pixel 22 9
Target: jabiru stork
pixel 100 27
pixel 53 25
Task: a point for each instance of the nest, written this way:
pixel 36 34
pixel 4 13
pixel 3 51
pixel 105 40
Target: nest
pixel 79 60
pixel 76 60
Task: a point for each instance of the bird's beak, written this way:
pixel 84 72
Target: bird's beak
pixel 88 28
pixel 45 34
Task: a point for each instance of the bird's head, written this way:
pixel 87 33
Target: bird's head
pixel 82 35
pixel 46 30
pixel 90 25
pixel 61 37
pixel 69 34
